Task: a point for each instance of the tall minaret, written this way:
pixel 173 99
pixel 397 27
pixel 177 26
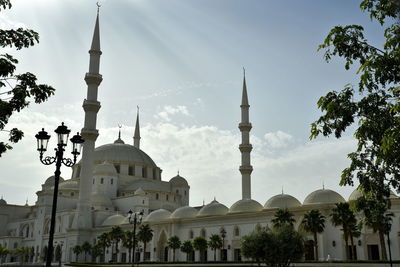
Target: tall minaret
pixel 136 137
pixel 245 147
pixel 91 106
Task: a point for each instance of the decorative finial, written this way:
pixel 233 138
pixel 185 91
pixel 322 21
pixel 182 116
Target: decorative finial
pixel 203 201
pixel 282 189
pixel 1 196
pixel 26 203
pixel 323 185
pixel 178 172
pixel 98 7
pixel 215 199
pixel 119 131
pixel 244 72
pixel 137 109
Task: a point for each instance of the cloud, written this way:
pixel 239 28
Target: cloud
pixel 167 111
pixel 278 139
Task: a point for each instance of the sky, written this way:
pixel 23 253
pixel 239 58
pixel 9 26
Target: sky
pixel 182 62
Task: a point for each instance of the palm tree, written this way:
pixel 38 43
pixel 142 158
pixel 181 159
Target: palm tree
pixel 215 243
pixel 104 241
pixel 283 217
pixel 127 242
pixel 342 216
pixel 145 235
pixel 86 248
pixel 116 235
pixel 200 244
pixel 173 243
pixel 187 247
pixel 3 253
pixel 96 251
pixel 77 250
pixel 314 222
pixel 354 232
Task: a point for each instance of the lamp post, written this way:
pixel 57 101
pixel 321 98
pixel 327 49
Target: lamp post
pixel 62 139
pixel 223 235
pixel 135 218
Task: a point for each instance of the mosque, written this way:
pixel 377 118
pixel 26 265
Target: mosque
pixel 114 178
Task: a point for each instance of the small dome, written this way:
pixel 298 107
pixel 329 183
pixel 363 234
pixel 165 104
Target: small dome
pixel 139 192
pixel 69 185
pixel 282 201
pixel 158 215
pixel 214 208
pixel 184 213
pixel 114 220
pixel 100 199
pixel 245 205
pixel 357 193
pixel 179 181
pixel 323 196
pixel 50 180
pixel 105 168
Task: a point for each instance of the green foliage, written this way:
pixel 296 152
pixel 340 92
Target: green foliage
pixel 174 243
pixel 200 243
pixel 104 242
pixel 96 251
pixel 76 250
pixel 145 235
pixel 187 247
pixel 374 105
pixel 86 248
pixel 17 90
pixel 276 248
pixel 314 222
pixel 215 243
pixel 283 217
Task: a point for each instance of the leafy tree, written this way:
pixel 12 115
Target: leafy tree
pixel 283 217
pixel 343 216
pixel 3 253
pixel 77 250
pixel 200 244
pixel 127 242
pixel 215 243
pixel 145 235
pixel 314 222
pixel 96 251
pixel 187 247
pixel 116 235
pixel 374 105
pixel 278 247
pixel 86 248
pixel 104 241
pixel 174 243
pixel 17 90
pixel 376 217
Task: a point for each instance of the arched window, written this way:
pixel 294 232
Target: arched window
pixel 203 232
pixel 144 172
pixel 185 192
pixel 102 180
pixel 191 235
pixel 167 197
pixel 131 170
pixel 157 196
pixel 112 181
pixel 177 191
pixel 117 168
pixel 236 231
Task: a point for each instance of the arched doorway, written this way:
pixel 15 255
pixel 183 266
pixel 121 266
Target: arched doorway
pixel 162 252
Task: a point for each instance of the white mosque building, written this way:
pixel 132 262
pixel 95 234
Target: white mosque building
pixel 114 178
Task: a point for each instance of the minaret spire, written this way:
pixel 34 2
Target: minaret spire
pixel 91 106
pixel 245 147
pixel 136 137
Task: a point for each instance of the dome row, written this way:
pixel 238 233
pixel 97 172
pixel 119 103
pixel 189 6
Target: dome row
pixel 214 208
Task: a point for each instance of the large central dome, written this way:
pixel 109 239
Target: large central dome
pixel 122 153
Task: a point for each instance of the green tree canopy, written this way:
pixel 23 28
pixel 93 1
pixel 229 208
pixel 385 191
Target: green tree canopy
pixel 279 247
pixel 215 243
pixel 76 250
pixel 86 248
pixel 174 243
pixel 17 90
pixel 145 235
pixel 283 217
pixel 187 247
pixel 314 222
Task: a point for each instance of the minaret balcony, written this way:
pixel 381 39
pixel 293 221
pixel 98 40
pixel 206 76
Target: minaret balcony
pixel 246 169
pixel 245 148
pixel 245 126
pixel 89 105
pixel 93 78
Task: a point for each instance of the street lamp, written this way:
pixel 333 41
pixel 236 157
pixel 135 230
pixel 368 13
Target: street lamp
pixel 135 218
pixel 223 235
pixel 62 139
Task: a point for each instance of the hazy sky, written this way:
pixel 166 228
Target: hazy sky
pixel 181 62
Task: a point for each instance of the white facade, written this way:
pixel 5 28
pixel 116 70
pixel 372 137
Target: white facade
pixel 114 178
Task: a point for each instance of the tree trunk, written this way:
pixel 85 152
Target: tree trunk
pixel 144 250
pixel 173 254
pixel 353 248
pixel 383 245
pixel 316 246
pixel 346 241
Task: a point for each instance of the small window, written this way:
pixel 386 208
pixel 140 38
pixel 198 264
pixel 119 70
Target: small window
pixel 117 168
pixel 185 192
pixel 174 199
pixel 157 196
pixel 143 201
pixel 236 231
pixel 112 181
pixel 177 191
pixel 167 197
pixel 191 234
pixel 93 181
pixel 203 233
pixel 15 245
pixel 144 172
pixel 131 170
pixel 72 194
pixel 102 180
pixel 154 174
